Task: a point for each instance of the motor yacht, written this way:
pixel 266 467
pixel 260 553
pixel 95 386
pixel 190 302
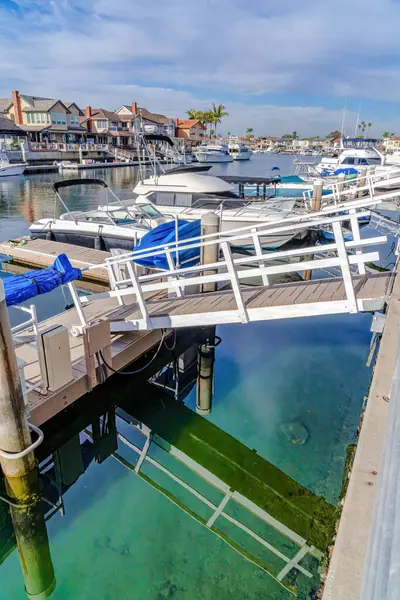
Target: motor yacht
pixel 239 151
pixel 213 153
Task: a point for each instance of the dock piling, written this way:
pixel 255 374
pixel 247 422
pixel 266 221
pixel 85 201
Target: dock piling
pixel 210 224
pixel 205 373
pixel 315 207
pixel 21 477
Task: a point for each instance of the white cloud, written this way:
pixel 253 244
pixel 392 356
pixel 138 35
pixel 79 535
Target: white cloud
pixel 109 53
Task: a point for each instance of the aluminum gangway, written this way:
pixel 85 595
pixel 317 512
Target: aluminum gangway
pixel 180 302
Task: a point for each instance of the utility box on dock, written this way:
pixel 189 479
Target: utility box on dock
pixel 55 358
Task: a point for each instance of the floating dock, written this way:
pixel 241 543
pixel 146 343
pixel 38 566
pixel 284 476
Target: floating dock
pixel 38 254
pixel 105 165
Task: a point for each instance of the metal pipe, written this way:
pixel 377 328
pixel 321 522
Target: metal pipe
pixel 205 373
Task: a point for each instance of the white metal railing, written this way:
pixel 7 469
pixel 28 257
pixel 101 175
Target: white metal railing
pixel 232 270
pixel 366 184
pixel 24 328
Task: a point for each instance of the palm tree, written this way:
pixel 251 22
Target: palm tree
pixel 218 113
pixel 192 113
pixel 207 118
pixel 369 127
pixel 249 132
pixel 294 135
pixel 387 134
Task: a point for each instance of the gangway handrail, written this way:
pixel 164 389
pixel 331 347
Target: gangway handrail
pixel 305 220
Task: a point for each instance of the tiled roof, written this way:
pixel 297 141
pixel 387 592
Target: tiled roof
pixel 188 123
pixel 102 113
pixel 154 117
pixel 4 104
pixel 36 103
pixel 9 127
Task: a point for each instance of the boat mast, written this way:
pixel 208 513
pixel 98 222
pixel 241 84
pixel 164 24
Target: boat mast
pixel 358 120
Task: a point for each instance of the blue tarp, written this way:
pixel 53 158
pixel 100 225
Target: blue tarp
pixel 346 171
pixel 31 284
pixel 165 234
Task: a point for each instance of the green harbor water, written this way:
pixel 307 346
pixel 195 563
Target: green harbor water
pixel 287 403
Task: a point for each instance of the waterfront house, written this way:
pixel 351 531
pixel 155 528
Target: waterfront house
pixel 391 144
pixel 139 119
pixel 45 119
pixel 105 127
pixel 10 133
pixel 192 131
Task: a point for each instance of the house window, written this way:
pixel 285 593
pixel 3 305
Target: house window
pixel 101 124
pixel 40 118
pixel 59 118
pixel 74 120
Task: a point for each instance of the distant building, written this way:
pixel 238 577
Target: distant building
pixel 391 144
pixel 190 130
pixel 105 127
pixel 44 119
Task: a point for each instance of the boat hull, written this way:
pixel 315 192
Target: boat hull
pixel 242 156
pixel 206 157
pixel 11 170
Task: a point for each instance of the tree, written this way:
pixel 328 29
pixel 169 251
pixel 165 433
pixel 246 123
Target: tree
pixel 249 132
pixel 369 127
pixel 212 132
pixel 287 136
pixel 387 134
pixel 207 119
pixel 294 135
pixel 192 113
pixel 218 113
pixel 335 134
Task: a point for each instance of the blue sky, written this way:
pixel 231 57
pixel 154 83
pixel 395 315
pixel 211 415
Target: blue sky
pixel 277 65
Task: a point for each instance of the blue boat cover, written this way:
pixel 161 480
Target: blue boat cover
pixel 165 234
pixel 22 287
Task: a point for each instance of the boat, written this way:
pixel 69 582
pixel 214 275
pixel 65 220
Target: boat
pixel 213 153
pixel 233 212
pixel 358 153
pixel 239 151
pixel 185 182
pixel 117 226
pixel 8 169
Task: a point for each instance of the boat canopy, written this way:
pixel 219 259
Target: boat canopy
pixel 69 182
pixel 34 283
pixel 165 234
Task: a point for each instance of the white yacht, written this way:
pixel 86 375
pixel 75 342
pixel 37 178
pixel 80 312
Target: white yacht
pixel 234 213
pixel 7 169
pixel 213 153
pixel 356 153
pixel 113 226
pixel 239 151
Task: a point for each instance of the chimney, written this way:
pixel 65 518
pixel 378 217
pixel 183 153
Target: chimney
pixel 17 107
pixel 134 108
pixel 88 114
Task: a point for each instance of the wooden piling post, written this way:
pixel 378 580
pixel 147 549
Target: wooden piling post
pixel 210 223
pixel 20 474
pixel 205 373
pixel 315 207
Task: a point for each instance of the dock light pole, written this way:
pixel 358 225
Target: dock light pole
pixel 20 473
pixel 210 223
pixel 315 207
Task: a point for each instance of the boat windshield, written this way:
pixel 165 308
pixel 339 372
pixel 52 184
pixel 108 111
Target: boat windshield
pixel 150 211
pixel 359 143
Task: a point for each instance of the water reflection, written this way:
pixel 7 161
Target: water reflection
pixel 208 483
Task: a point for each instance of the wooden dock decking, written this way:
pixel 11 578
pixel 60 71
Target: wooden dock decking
pixel 37 254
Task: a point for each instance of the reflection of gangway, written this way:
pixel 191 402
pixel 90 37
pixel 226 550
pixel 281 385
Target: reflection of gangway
pixel 343 294
pixel 284 547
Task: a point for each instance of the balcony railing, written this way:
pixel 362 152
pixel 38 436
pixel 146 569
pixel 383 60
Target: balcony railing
pixel 62 147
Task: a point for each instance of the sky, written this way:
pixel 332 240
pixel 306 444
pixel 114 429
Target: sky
pixel 277 65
